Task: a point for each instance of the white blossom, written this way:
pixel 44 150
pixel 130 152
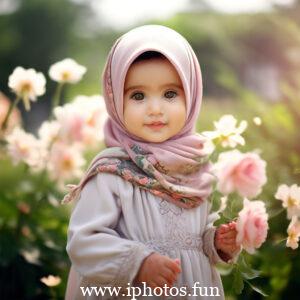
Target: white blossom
pixel 293 233
pixel 67 71
pixel 27 84
pixel 82 120
pixel 51 280
pixel 227 132
pixel 25 147
pixel 49 132
pixel 257 121
pixel 65 162
pixel 290 197
pixel 31 256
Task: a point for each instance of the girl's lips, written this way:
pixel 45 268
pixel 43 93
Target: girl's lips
pixel 157 126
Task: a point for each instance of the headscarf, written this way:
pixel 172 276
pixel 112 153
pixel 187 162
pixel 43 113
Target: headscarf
pixel 177 169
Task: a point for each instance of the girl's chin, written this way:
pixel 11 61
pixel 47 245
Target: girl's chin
pixel 155 139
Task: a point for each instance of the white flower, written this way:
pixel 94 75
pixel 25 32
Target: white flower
pixel 290 197
pixel 65 162
pixel 49 132
pixel 208 147
pixel 257 121
pixel 293 233
pixel 82 121
pixel 67 71
pixel 27 84
pixel 24 147
pixel 31 256
pixel 226 131
pixel 51 280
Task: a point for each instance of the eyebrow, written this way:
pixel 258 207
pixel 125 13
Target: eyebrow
pixel 162 86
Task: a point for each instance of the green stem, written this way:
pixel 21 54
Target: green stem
pixel 10 110
pixel 56 97
pixel 280 241
pixel 52 293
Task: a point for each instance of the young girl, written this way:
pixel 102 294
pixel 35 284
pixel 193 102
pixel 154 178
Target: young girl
pixel 142 221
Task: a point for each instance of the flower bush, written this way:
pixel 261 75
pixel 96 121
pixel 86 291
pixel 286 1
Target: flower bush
pixel 34 173
pixel 241 177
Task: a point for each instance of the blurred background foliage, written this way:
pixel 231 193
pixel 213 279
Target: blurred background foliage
pixel 250 65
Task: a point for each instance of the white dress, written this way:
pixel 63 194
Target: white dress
pixel 115 225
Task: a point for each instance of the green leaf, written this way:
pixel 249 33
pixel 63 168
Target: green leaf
pixel 246 270
pixel 238 283
pixel 251 274
pixel 256 289
pixel 225 269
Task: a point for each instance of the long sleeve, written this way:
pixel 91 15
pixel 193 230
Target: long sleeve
pixel 95 248
pixel 209 237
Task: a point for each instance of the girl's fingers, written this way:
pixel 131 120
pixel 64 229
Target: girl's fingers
pixel 223 228
pixel 231 232
pixel 169 275
pixel 160 281
pixel 229 242
pixel 228 235
pixel 151 283
pixel 232 224
pixel 227 227
pixel 172 265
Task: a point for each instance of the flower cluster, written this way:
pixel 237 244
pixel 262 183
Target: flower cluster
pixel 290 197
pixel 243 174
pixel 62 140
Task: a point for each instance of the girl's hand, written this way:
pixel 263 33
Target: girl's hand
pixel 225 239
pixel 158 270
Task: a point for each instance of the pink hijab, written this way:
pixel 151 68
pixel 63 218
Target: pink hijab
pixel 177 169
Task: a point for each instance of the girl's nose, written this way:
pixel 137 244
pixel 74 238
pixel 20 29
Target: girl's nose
pixel 155 106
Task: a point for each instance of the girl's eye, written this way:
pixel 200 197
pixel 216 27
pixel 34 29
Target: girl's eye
pixel 138 96
pixel 170 94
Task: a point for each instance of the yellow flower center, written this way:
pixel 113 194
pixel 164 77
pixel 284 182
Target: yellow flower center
pixel 67 164
pixel 292 202
pixel 23 149
pixel 65 76
pixel 26 87
pixel 292 235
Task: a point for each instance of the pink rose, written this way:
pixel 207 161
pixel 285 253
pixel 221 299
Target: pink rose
pixel 252 225
pixel 244 173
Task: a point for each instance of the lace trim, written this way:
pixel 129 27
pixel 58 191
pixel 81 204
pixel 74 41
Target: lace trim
pixel 177 234
pixel 167 245
pixel 127 265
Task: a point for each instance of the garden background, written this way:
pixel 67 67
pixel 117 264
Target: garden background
pixel 250 61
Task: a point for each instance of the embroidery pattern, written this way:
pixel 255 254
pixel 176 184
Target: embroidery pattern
pixel 177 235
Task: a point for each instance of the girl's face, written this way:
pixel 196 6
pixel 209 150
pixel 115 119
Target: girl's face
pixel 154 100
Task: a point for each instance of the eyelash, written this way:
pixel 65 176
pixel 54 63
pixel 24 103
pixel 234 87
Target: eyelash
pixel 175 94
